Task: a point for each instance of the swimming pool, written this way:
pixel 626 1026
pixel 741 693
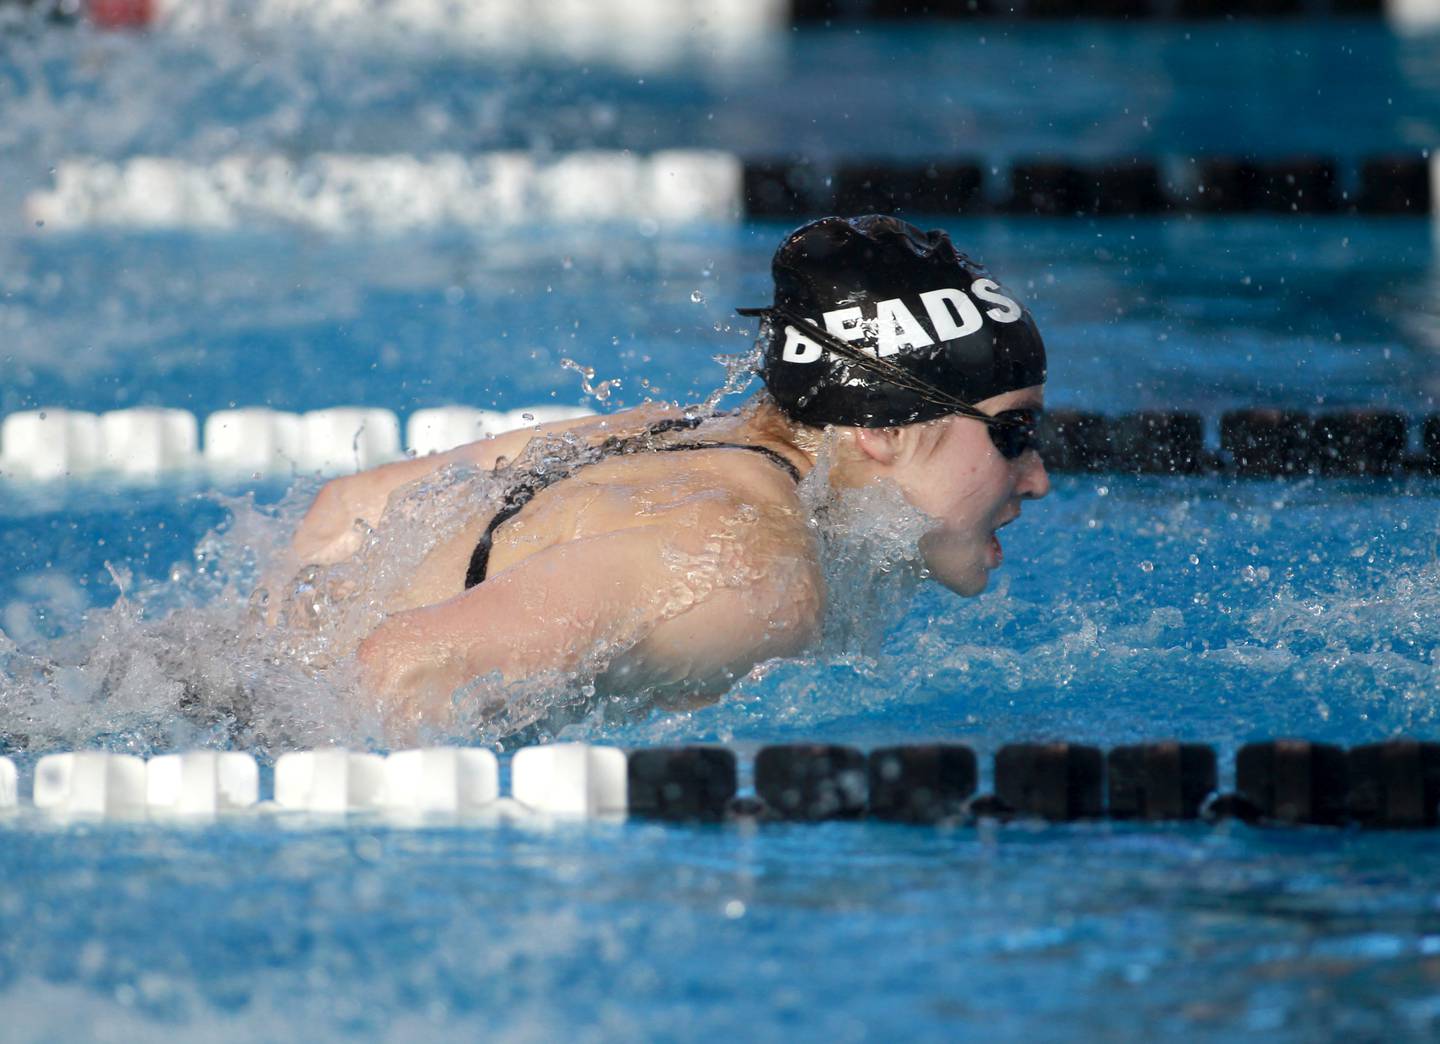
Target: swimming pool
pixel 1130 608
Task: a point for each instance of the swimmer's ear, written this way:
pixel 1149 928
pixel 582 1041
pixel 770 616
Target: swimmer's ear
pixel 882 445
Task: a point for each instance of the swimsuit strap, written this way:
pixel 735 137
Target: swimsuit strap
pixel 532 482
pixel 769 453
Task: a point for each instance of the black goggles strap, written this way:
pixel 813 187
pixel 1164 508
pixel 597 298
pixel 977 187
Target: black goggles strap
pixel 880 367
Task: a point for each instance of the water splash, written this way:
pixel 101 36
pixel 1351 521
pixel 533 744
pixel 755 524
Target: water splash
pixel 599 392
pixel 1075 641
pixel 1256 618
pixel 185 662
pixel 249 646
pixel 869 541
pixel 740 372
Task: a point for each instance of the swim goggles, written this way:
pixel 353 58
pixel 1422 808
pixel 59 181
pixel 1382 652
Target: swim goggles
pixel 1015 432
pixel 1012 431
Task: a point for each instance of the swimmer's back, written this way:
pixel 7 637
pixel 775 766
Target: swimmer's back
pixel 670 573
pixel 710 489
pixel 525 485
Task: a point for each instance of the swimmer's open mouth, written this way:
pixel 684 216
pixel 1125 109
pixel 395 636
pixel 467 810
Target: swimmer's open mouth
pixel 997 552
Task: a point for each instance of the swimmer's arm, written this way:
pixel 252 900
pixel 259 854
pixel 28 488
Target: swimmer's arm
pixel 328 532
pixel 552 610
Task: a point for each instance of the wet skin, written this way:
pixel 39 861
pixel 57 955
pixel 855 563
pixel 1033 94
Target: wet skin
pixel 961 481
pixel 669 573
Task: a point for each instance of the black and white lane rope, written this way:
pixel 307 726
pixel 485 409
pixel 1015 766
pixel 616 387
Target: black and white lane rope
pixel 148 444
pixel 375 195
pixel 1393 784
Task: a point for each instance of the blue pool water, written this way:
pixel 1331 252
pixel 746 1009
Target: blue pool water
pixel 1129 608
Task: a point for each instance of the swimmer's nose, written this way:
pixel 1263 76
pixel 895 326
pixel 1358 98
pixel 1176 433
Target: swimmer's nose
pixel 1034 481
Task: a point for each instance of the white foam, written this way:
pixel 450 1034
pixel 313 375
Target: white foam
pixel 90 783
pixel 9 791
pixel 348 438
pixel 148 441
pixel 201 783
pixel 49 443
pixel 570 779
pixel 330 781
pixel 441 779
pixel 254 440
pixel 371 194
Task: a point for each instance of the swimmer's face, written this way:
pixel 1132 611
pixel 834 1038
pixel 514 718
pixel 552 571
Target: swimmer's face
pixel 954 474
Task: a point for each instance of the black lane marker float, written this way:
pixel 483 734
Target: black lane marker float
pixel 1160 780
pixel 1256 442
pixel 812 781
pixel 1294 781
pixel 1395 784
pixel 1055 781
pixel 1285 782
pixel 804 12
pixel 792 188
pixel 1359 442
pixel 1267 442
pixel 924 783
pixel 681 783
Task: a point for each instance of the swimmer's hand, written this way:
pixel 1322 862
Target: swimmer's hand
pixel 640 608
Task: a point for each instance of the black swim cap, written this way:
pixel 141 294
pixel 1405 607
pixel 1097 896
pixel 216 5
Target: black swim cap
pixel 877 324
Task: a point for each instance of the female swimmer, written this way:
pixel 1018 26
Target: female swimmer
pixel 668 554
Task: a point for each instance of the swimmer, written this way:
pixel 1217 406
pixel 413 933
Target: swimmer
pixel 668 554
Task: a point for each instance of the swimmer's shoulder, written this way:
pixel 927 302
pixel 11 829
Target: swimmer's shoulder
pixel 752 588
pixel 328 532
pixel 497 450
pixel 738 503
pixel 749 504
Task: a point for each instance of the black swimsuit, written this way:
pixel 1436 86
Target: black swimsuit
pixel 536 479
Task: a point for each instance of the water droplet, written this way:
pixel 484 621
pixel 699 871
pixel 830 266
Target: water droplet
pixel 697 297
